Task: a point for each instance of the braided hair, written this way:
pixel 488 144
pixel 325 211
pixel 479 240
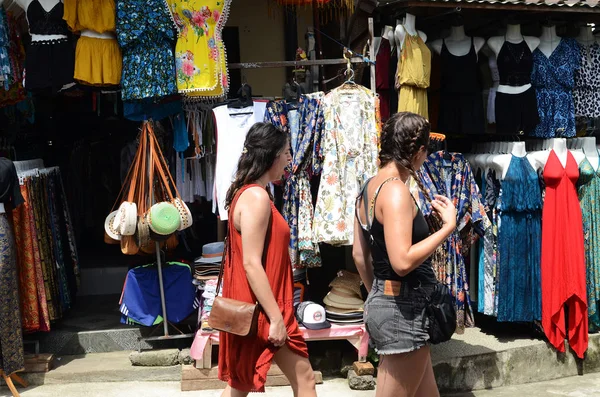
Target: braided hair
pixel 402 137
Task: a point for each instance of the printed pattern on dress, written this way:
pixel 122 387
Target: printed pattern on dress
pixel 304 126
pixel 449 174
pixel 146 36
pixel 349 150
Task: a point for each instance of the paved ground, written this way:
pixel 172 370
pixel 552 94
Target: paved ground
pixel 581 386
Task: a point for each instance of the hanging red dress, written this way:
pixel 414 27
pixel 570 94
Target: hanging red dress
pixel 245 361
pixel 563 260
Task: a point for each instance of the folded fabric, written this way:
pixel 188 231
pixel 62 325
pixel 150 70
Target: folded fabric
pixel 140 301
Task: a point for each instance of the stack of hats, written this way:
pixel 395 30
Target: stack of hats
pixel 344 303
pixel 209 293
pixel 208 265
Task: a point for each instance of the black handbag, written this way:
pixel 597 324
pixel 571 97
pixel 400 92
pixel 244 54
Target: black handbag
pixel 441 314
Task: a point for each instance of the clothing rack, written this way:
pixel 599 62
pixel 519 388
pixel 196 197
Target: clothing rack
pixel 27 165
pixel 355 59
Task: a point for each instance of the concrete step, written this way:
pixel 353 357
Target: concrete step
pixel 472 361
pixel 101 367
pixel 476 361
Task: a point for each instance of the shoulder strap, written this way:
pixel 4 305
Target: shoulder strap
pixel 371 207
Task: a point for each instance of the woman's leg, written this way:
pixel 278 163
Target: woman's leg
pixel 428 386
pixel 231 392
pixel 298 371
pixel 399 375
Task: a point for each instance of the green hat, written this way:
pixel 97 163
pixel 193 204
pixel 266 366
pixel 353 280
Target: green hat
pixel 164 219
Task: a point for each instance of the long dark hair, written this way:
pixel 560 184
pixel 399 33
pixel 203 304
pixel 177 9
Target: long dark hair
pixel 264 142
pixel 402 137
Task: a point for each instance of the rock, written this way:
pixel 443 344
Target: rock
pixel 185 358
pixel 365 382
pixel 363 368
pixel 155 358
pixel 344 370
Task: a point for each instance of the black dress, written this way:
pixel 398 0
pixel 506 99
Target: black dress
pixel 48 64
pixel 461 103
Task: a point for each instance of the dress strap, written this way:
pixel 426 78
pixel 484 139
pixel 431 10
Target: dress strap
pixel 370 206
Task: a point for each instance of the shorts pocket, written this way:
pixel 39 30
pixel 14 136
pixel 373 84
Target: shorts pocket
pixel 381 322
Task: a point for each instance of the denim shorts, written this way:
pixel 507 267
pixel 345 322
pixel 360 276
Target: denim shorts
pixel 395 316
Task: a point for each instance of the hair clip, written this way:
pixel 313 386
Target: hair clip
pixel 245 150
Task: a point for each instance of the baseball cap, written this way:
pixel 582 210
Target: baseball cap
pixel 311 315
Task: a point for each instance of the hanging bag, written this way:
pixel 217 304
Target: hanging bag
pixel 230 315
pixel 440 313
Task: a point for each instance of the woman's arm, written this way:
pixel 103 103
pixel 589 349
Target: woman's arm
pixel 254 213
pixel 361 253
pixel 396 209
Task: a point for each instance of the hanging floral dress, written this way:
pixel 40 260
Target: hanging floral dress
pixel 13 91
pixel 201 59
pixel 147 36
pixel 589 199
pixel 450 175
pixel 349 152
pixel 305 127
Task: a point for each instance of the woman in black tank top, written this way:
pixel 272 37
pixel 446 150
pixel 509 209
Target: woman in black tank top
pixel 392 246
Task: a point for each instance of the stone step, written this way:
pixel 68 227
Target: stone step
pixel 472 361
pixel 101 367
pixel 475 361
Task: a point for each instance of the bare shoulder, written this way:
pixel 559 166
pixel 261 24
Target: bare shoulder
pixel 255 200
pixel 394 192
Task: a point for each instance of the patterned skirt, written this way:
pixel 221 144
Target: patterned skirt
pixel 11 337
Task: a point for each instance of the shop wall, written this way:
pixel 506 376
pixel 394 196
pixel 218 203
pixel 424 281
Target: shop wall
pixel 261 37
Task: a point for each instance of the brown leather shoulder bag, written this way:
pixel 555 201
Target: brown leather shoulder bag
pixel 230 315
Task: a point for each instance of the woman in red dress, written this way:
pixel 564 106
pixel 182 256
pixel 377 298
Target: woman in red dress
pixel 251 275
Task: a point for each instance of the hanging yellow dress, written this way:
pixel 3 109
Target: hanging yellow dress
pixel 98 59
pixel 414 72
pixel 200 55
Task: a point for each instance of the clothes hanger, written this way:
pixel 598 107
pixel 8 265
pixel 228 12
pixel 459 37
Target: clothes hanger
pixel 244 100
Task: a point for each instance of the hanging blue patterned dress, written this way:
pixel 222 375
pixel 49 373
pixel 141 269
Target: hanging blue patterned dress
pixel 450 175
pixel 304 126
pixel 519 244
pixel 5 70
pixel 146 35
pixel 589 199
pixel 554 78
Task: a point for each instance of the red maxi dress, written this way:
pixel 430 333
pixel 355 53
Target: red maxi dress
pixel 245 361
pixel 563 260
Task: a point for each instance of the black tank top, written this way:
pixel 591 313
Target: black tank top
pixel 515 63
pixel 382 268
pixel 46 22
pixel 459 73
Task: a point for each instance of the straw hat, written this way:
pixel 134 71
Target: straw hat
pixel 343 298
pixel 348 280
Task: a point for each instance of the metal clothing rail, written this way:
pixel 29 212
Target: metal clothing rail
pixel 320 62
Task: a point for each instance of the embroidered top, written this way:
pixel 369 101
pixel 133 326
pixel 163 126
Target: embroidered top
pixel 349 150
pixel 146 36
pixel 200 53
